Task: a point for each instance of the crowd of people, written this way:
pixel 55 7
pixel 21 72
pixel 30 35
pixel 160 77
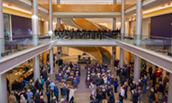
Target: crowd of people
pixel 99 78
pixel 68 78
pixel 104 84
pixel 86 34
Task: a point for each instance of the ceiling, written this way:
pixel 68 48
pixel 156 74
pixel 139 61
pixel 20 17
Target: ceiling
pixel 46 2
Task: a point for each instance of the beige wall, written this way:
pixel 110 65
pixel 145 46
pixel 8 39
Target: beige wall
pixel 73 51
pixel 65 50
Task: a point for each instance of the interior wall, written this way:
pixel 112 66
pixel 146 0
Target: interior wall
pixel 18 28
pixel 65 50
pixel 46 27
pixel 126 28
pixel 161 25
pixel 145 27
pixel 73 51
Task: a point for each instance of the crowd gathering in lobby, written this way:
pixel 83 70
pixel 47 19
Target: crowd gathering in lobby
pixel 100 79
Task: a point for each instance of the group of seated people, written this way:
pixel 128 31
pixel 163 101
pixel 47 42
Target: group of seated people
pixel 99 79
pixel 85 34
pixel 69 74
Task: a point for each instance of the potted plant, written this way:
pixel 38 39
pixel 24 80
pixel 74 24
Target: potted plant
pixel 79 57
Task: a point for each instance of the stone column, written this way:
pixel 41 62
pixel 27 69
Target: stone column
pixel 36 67
pixel 170 88
pixel 35 38
pixel 59 53
pixel 58 23
pixel 50 19
pixel 122 19
pixel 121 58
pixel 3 87
pixel 58 1
pixel 113 55
pixel 2 44
pixel 35 22
pixel 137 60
pixel 114 24
pixel 51 61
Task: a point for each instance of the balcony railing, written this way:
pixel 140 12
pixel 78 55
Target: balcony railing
pixel 10 46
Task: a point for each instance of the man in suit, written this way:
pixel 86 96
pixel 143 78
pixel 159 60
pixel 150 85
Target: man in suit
pixel 64 92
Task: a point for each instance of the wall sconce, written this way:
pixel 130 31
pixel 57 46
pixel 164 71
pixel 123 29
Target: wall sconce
pixel 112 10
pixel 99 10
pixel 60 10
pixel 73 10
pixel 86 10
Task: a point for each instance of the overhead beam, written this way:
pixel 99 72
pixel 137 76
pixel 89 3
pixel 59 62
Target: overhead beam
pixel 160 60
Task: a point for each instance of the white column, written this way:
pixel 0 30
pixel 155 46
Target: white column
pixel 50 18
pixel 114 1
pixel 35 37
pixel 59 52
pixel 113 54
pixel 137 61
pixel 51 61
pixel 35 22
pixel 2 47
pixel 114 24
pixel 11 32
pixel 3 89
pixel 58 1
pixel 170 88
pixel 36 67
pixel 121 58
pixel 139 18
pixel 58 23
pixel 122 18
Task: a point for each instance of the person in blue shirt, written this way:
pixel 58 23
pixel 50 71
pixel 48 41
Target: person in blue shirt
pixel 29 94
pixel 52 85
pixel 115 85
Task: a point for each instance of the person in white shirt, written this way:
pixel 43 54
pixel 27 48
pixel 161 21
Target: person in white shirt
pixel 122 94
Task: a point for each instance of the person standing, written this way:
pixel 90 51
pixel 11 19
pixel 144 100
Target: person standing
pixel 121 94
pixel 64 92
pixel 111 97
pixel 71 94
pixel 115 85
pixel 54 100
pixel 125 87
pixel 151 96
pixel 12 98
pixel 52 85
pixel 135 96
pixel 22 100
pixel 47 82
pixel 160 90
pixel 56 91
pixel 48 93
pixel 144 84
pixel 29 94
